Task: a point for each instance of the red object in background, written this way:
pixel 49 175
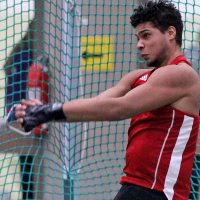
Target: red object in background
pixel 38 89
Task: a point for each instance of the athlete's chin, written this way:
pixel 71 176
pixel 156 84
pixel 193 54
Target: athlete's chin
pixel 148 60
pixel 150 64
pixel 153 63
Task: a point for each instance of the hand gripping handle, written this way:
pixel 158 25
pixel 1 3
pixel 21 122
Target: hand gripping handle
pixel 11 118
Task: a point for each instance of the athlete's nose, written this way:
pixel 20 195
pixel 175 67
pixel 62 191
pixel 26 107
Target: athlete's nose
pixel 140 44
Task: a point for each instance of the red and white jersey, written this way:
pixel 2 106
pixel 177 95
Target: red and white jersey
pixel 161 147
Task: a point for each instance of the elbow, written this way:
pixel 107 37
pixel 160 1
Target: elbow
pixel 119 112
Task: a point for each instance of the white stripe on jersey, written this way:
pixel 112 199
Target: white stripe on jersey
pixel 176 158
pixel 156 171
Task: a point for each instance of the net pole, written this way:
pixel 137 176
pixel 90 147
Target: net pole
pixel 67 63
pixel 72 69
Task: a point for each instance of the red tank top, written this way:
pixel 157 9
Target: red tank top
pixel 161 147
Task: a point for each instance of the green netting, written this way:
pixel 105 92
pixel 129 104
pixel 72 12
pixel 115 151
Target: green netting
pixel 85 47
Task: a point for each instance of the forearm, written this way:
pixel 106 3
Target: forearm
pixel 93 109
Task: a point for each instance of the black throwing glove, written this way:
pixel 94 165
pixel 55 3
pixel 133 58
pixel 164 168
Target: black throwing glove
pixel 39 114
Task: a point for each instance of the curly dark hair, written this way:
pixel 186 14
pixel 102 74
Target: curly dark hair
pixel 162 14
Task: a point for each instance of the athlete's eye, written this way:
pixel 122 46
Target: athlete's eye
pixel 146 35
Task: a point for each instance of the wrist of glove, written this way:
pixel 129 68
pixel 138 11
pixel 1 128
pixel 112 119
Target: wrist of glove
pixel 39 114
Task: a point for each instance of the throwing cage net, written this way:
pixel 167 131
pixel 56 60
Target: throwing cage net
pixel 58 51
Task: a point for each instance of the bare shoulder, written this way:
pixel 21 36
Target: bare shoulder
pixel 181 74
pixel 180 82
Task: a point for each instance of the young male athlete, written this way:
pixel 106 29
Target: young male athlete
pixel 163 103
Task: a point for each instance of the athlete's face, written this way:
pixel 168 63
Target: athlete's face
pixel 152 44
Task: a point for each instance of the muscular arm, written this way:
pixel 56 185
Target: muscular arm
pixel 166 86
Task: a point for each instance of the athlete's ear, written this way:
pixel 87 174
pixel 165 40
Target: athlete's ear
pixel 171 32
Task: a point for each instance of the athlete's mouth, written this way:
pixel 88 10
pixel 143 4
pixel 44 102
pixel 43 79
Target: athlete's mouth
pixel 144 56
